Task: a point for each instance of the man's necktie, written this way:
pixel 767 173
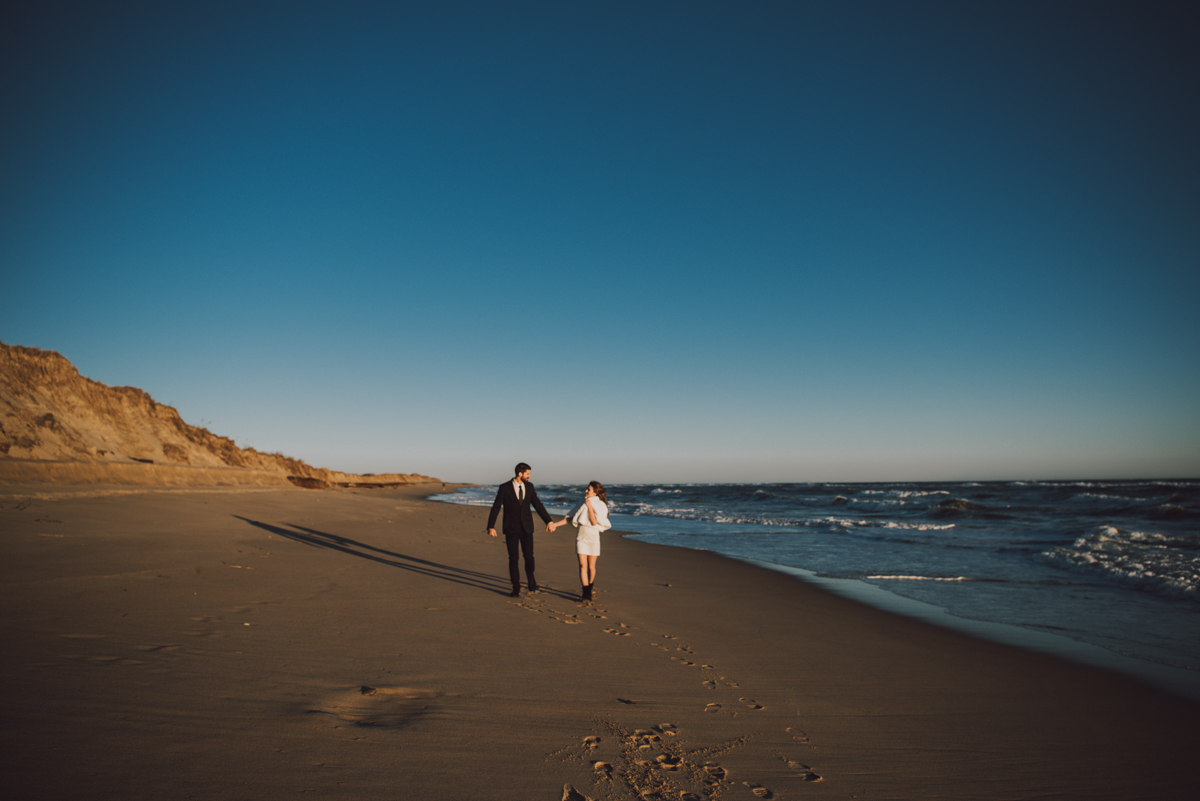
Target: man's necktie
pixel 520 492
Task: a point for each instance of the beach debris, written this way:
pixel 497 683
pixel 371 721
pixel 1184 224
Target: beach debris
pixel 571 794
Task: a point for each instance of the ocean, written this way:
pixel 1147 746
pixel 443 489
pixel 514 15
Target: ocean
pixel 1105 572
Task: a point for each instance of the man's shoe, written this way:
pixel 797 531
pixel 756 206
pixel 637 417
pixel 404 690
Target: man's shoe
pixel 534 588
pixel 516 593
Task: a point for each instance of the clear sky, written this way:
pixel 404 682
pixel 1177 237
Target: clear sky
pixel 643 241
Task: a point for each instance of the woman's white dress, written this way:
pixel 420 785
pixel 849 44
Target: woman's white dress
pixel 587 541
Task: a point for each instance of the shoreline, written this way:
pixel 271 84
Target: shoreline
pixel 1167 677
pixel 359 643
pixel 1177 681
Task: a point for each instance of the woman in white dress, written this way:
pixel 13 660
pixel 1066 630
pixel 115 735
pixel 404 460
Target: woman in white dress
pixel 591 517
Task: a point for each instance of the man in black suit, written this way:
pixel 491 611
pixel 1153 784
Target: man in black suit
pixel 516 497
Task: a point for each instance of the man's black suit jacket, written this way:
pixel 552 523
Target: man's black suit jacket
pixel 518 518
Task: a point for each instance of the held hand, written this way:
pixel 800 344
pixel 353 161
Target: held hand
pixel 491 532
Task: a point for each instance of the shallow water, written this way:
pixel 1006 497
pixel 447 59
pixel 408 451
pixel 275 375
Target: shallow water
pixel 1115 564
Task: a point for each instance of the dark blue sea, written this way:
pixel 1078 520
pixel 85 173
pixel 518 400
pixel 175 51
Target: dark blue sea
pixel 1111 565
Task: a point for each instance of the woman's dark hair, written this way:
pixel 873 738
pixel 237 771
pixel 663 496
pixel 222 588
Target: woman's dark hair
pixel 599 488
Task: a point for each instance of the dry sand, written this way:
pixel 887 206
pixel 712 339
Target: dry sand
pixel 276 643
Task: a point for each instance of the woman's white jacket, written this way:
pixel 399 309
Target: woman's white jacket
pixel 579 516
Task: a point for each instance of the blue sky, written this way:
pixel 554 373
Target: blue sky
pixel 653 241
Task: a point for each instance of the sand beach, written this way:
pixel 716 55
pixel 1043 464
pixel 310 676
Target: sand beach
pixel 278 642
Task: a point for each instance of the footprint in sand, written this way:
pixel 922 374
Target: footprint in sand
pixel 797 735
pixel 712 707
pixel 684 795
pixel 759 790
pixel 803 771
pixel 668 762
pixel 603 769
pixel 715 771
pixel 591 742
pixel 643 738
pixel 750 702
pixel 618 633
pixel 712 685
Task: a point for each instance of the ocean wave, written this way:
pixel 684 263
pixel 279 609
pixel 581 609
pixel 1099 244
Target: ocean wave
pixel 840 522
pixel 878 503
pixel 643 509
pixel 956 507
pixel 1156 563
pixel 1171 511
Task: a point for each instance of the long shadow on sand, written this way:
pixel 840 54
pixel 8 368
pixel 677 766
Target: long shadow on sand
pixel 321 539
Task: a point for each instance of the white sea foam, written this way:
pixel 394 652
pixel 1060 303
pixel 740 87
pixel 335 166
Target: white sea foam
pixel 1153 562
pixel 844 522
pixel 921 578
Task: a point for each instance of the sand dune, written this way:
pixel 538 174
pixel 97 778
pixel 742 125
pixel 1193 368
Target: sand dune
pixel 58 426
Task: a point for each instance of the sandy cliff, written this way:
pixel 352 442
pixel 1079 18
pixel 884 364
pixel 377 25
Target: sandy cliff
pixel 56 425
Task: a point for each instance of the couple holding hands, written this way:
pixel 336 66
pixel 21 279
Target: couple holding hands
pixel 519 499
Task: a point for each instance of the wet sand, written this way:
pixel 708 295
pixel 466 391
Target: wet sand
pixel 279 642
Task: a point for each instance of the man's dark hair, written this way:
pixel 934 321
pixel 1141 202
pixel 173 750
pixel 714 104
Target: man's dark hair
pixel 521 468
